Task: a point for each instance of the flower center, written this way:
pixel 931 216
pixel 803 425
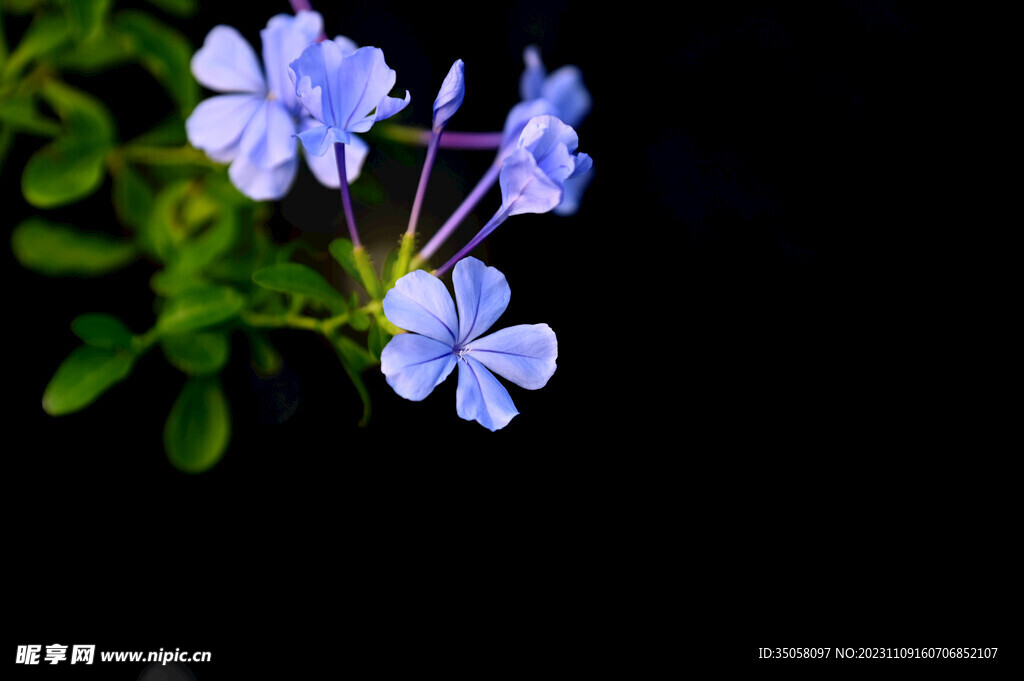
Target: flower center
pixel 461 351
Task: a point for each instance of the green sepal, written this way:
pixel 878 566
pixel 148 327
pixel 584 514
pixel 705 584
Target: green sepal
pixel 102 331
pixel 198 427
pixel 197 354
pixel 199 307
pixel 60 250
pixel 297 279
pixel 400 267
pixel 84 375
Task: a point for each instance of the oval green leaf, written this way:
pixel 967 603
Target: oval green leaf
pixel 102 331
pixel 58 249
pixel 62 172
pixel 296 279
pixel 199 307
pixel 197 354
pixel 198 427
pixel 85 375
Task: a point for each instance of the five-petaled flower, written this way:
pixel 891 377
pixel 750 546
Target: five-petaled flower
pixel 346 92
pixel 415 363
pixel 253 125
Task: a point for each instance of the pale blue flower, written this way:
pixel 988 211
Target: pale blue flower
pixel 450 96
pixel 564 88
pixel 346 92
pixel 445 334
pixel 534 176
pixel 253 125
pixel 561 94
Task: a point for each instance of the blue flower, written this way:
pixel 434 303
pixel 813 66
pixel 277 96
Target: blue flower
pixel 253 125
pixel 415 363
pixel 534 177
pixel 564 88
pixel 346 92
pixel 561 94
pixel 450 96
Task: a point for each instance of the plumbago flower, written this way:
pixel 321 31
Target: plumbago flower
pixel 561 94
pixel 253 125
pixel 564 88
pixel 533 176
pixel 415 363
pixel 346 92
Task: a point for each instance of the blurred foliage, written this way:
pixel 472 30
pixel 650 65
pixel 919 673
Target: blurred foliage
pixel 215 267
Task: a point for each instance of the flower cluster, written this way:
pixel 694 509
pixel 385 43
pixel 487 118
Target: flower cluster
pixel 322 94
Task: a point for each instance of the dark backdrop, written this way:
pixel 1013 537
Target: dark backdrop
pixel 756 435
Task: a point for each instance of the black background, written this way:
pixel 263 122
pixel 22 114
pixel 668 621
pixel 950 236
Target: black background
pixel 766 427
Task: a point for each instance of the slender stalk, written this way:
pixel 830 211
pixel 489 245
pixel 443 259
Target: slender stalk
pixel 421 190
pixel 484 232
pixel 481 188
pixel 300 5
pixel 346 199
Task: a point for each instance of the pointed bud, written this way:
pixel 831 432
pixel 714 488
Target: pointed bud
pixel 449 99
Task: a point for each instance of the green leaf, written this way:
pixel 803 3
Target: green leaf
pixel 102 331
pixel 85 17
pixel 46 33
pixel 169 132
pixel 199 307
pixel 132 196
pixel 356 356
pixel 104 50
pixel 342 251
pixel 165 53
pixel 356 262
pixel 377 339
pixel 57 249
pixel 22 115
pixel 62 172
pixel 198 427
pixel 354 359
pixel 165 230
pixel 265 359
pixel 182 8
pixel 72 166
pixel 204 248
pixel 296 279
pixel 85 375
pixel 390 259
pixel 205 352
